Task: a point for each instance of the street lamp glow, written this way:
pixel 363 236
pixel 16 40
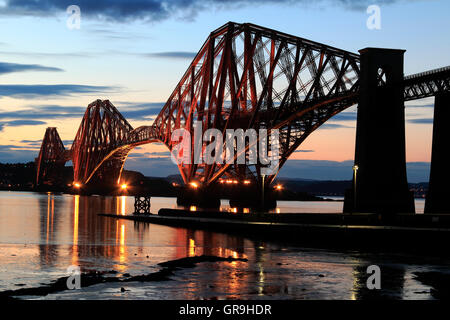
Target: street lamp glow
pixel 124 186
pixel 194 185
pixel 77 185
pixel 355 171
pixel 279 187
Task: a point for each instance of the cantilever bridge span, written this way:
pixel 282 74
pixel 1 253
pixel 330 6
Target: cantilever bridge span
pixel 244 76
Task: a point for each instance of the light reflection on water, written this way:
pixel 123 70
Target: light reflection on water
pixel 43 234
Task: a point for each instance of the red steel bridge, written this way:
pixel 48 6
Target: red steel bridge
pixel 244 76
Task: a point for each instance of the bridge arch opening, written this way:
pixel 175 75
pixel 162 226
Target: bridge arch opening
pixel 152 160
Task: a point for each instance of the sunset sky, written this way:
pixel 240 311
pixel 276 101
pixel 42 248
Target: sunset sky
pixel 135 52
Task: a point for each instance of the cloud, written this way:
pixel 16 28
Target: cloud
pixel 18 123
pixel 172 55
pixel 44 112
pixel 345 116
pixel 421 121
pixel 139 111
pixel 303 151
pixel 131 111
pixel 40 55
pixel 27 91
pixel 154 10
pixel 6 67
pixel 152 155
pixel 428 105
pixel 335 126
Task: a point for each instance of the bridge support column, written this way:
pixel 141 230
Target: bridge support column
pixel 379 178
pixel 437 196
pixel 202 197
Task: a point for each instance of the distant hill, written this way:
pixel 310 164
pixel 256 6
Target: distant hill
pixel 316 187
pixel 320 187
pixel 20 176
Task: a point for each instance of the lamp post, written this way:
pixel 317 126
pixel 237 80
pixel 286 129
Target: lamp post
pixel 355 171
pixel 263 177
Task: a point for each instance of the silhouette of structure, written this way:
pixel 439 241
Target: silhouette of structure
pixel 437 201
pixel 380 182
pixel 244 76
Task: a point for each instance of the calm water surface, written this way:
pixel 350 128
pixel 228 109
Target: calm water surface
pixel 41 235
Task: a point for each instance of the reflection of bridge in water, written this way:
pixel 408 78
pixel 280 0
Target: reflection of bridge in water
pixel 246 76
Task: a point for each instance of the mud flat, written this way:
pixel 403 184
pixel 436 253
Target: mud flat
pixel 95 277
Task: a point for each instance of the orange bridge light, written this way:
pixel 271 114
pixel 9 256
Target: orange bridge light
pixel 194 185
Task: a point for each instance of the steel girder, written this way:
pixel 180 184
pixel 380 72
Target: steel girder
pixel 244 76
pixel 52 157
pixel 102 143
pixel 427 84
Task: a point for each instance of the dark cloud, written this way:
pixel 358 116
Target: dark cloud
pixel 131 112
pixel 421 121
pixel 335 126
pixel 299 151
pixel 18 123
pixel 39 55
pixel 172 55
pixel 428 105
pixel 46 112
pixel 152 155
pixel 154 10
pixel 345 116
pixel 32 143
pixel 26 91
pixel 17 148
pixel 6 67
pixel 139 111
